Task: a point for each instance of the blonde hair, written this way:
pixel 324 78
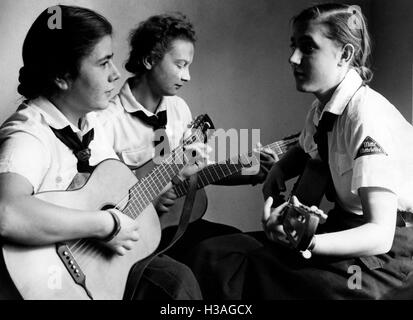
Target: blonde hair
pixel 346 24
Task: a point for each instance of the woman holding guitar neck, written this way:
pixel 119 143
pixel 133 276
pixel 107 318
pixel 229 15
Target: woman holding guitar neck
pixel 147 110
pixel 68 72
pixel 364 250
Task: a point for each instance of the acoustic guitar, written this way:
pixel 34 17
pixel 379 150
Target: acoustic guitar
pixel 84 268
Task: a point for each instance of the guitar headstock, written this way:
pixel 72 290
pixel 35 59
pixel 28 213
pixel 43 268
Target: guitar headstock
pixel 199 127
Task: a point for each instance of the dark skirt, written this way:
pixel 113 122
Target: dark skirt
pixel 195 233
pixel 248 266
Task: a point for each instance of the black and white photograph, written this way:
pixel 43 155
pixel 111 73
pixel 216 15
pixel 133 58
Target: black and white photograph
pixel 179 152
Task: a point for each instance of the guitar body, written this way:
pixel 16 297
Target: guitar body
pixel 300 222
pixel 174 215
pixel 39 273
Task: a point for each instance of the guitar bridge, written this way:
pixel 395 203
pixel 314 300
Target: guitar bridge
pixel 72 266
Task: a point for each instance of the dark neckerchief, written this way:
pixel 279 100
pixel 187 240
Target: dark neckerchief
pixel 321 139
pixel 80 148
pixel 158 123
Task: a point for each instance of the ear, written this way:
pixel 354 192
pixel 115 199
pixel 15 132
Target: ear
pixel 62 82
pixel 147 62
pixel 347 54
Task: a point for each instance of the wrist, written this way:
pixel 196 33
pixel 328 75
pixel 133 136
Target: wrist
pixel 307 253
pixel 114 226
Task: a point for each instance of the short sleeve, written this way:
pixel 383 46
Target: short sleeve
pixel 374 155
pixel 26 155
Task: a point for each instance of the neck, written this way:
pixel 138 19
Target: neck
pixel 144 94
pixel 68 109
pixel 324 96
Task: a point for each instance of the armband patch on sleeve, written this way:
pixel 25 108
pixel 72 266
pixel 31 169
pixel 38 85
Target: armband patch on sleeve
pixel 369 147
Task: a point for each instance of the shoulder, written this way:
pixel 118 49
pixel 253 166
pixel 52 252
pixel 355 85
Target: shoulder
pixel 27 121
pixel 370 120
pixel 25 135
pixel 369 106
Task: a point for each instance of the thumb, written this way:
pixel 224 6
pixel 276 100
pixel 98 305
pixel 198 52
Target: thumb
pixel 267 208
pixel 294 201
pixel 258 147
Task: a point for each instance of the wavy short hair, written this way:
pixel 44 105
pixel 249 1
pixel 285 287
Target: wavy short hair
pixel 153 38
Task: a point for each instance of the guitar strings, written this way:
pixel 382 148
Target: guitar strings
pixel 279 147
pixel 81 246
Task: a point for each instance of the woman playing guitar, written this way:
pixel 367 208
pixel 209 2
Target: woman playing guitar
pixel 364 249
pixel 68 72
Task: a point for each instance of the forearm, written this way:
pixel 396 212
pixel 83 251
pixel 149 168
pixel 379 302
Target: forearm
pixel 365 240
pixel 31 221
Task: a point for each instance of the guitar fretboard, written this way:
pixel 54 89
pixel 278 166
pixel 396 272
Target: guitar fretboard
pixel 148 188
pixel 221 170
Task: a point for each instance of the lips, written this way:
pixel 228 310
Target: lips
pixel 299 74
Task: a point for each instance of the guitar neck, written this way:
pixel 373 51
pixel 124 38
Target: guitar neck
pixel 149 187
pixel 221 170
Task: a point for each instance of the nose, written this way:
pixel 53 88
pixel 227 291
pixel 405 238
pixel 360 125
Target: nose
pixel 115 74
pixel 185 75
pixel 295 57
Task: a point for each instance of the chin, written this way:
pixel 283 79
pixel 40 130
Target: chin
pixel 101 105
pixel 300 87
pixel 170 93
pixel 304 87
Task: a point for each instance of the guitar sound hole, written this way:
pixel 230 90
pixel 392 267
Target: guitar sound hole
pixel 108 206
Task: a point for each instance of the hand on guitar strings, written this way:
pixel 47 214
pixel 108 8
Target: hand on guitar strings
pixel 292 223
pixel 272 222
pixel 196 158
pixel 165 201
pixel 267 159
pixel 127 233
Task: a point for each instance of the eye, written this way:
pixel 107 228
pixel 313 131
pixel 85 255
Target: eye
pixel 307 48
